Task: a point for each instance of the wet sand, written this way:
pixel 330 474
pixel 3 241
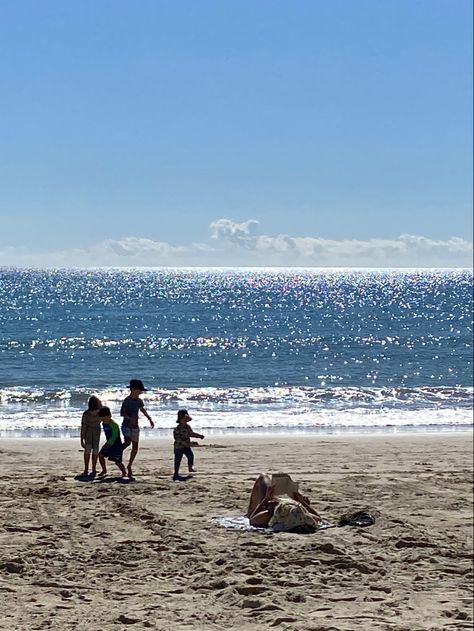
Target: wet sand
pixel 143 555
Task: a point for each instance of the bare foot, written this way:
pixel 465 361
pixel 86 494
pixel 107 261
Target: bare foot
pixel 191 470
pixel 102 473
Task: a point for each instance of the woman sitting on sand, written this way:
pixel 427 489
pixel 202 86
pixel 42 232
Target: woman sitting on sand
pixel 275 502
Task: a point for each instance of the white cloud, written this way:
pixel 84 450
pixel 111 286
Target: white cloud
pixel 229 230
pixel 126 252
pixel 135 247
pixel 238 244
pixel 404 251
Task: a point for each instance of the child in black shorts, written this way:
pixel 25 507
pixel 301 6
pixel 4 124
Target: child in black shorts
pixel 113 448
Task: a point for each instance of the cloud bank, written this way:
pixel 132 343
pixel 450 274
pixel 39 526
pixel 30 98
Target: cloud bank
pixel 239 244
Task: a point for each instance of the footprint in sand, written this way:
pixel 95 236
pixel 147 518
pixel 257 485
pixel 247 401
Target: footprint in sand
pixel 282 620
pixel 128 619
pixel 12 567
pixel 254 580
pixel 410 542
pixel 247 590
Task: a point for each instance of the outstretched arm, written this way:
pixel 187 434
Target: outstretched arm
pixel 194 435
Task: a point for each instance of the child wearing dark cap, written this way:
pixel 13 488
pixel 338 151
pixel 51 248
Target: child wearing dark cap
pixel 130 409
pixel 113 448
pixel 182 442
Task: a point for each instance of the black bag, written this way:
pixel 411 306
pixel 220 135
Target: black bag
pixel 360 518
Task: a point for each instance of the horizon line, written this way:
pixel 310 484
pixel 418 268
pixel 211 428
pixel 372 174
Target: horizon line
pixel 232 268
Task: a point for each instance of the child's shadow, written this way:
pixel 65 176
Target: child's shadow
pixel 83 478
pixel 113 480
pixel 183 478
pixel 103 480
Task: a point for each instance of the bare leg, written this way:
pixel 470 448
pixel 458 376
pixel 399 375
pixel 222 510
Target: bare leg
pixel 264 511
pixel 94 462
pixel 261 519
pixel 102 464
pixel 133 455
pixel 87 456
pixel 127 442
pixel 122 469
pixel 259 491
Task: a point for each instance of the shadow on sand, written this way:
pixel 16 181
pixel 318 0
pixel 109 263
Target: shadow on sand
pixel 106 479
pixel 182 478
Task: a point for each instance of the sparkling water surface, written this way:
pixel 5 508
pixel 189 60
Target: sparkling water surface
pixel 243 349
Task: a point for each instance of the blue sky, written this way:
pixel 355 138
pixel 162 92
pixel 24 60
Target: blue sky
pixel 236 132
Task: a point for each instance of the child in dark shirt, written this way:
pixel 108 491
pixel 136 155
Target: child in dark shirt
pixel 113 448
pixel 182 442
pixel 130 409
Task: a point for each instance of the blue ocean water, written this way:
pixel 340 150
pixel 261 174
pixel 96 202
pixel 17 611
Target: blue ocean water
pixel 242 349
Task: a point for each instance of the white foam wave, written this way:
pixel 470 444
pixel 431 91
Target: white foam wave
pixel 206 398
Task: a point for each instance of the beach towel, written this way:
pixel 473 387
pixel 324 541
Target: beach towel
pixel 235 523
pixel 242 523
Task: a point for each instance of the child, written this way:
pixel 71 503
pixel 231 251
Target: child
pixel 113 448
pixel 182 442
pixel 131 406
pixel 90 434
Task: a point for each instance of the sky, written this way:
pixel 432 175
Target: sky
pixel 223 132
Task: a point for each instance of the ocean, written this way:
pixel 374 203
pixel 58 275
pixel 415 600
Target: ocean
pixel 262 350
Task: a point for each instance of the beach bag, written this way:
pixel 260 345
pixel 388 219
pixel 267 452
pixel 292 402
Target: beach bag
pixel 361 519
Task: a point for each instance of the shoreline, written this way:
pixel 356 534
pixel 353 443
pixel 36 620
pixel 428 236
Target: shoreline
pixel 166 434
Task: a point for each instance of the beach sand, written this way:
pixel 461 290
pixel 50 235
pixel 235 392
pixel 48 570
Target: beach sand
pixel 108 555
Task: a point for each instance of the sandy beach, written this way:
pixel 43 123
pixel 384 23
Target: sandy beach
pixel 143 555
